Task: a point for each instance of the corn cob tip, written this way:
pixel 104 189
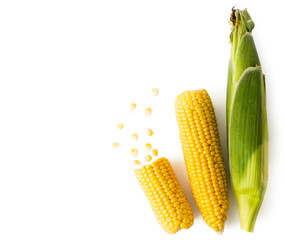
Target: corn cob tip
pixel 220 231
pixel 232 15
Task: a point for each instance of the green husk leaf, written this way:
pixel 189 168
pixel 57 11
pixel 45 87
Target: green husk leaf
pixel 244 53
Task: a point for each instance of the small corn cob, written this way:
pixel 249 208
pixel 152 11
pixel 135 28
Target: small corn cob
pixel 203 155
pixel 246 121
pixel 165 195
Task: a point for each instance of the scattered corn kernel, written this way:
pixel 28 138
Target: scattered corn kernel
pixel 134 152
pixel 120 126
pixel 148 111
pixel 133 106
pixel 135 136
pixel 115 145
pixel 154 152
pixel 149 132
pixel 155 91
pixel 148 158
pixel 148 146
pixel 137 162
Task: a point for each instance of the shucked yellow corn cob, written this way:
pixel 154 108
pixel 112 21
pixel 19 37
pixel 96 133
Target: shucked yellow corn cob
pixel 165 195
pixel 203 155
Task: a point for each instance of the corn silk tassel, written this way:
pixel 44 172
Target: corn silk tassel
pixel 246 121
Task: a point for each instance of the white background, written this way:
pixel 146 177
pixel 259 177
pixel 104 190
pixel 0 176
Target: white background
pixel 68 72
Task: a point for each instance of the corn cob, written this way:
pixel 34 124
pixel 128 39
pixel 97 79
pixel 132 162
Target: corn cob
pixel 246 121
pixel 203 155
pixel 165 195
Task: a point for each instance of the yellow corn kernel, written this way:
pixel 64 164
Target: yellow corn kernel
pixel 155 91
pixel 165 195
pixel 135 136
pixel 133 107
pixel 148 158
pixel 120 126
pixel 115 145
pixel 134 152
pixel 203 155
pixel 137 162
pixel 148 146
pixel 154 152
pixel 149 132
pixel 148 111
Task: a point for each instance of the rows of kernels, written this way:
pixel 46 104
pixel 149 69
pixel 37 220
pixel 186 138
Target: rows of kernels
pixel 203 156
pixel 165 195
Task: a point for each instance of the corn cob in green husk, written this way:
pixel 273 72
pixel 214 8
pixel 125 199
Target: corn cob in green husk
pixel 246 121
